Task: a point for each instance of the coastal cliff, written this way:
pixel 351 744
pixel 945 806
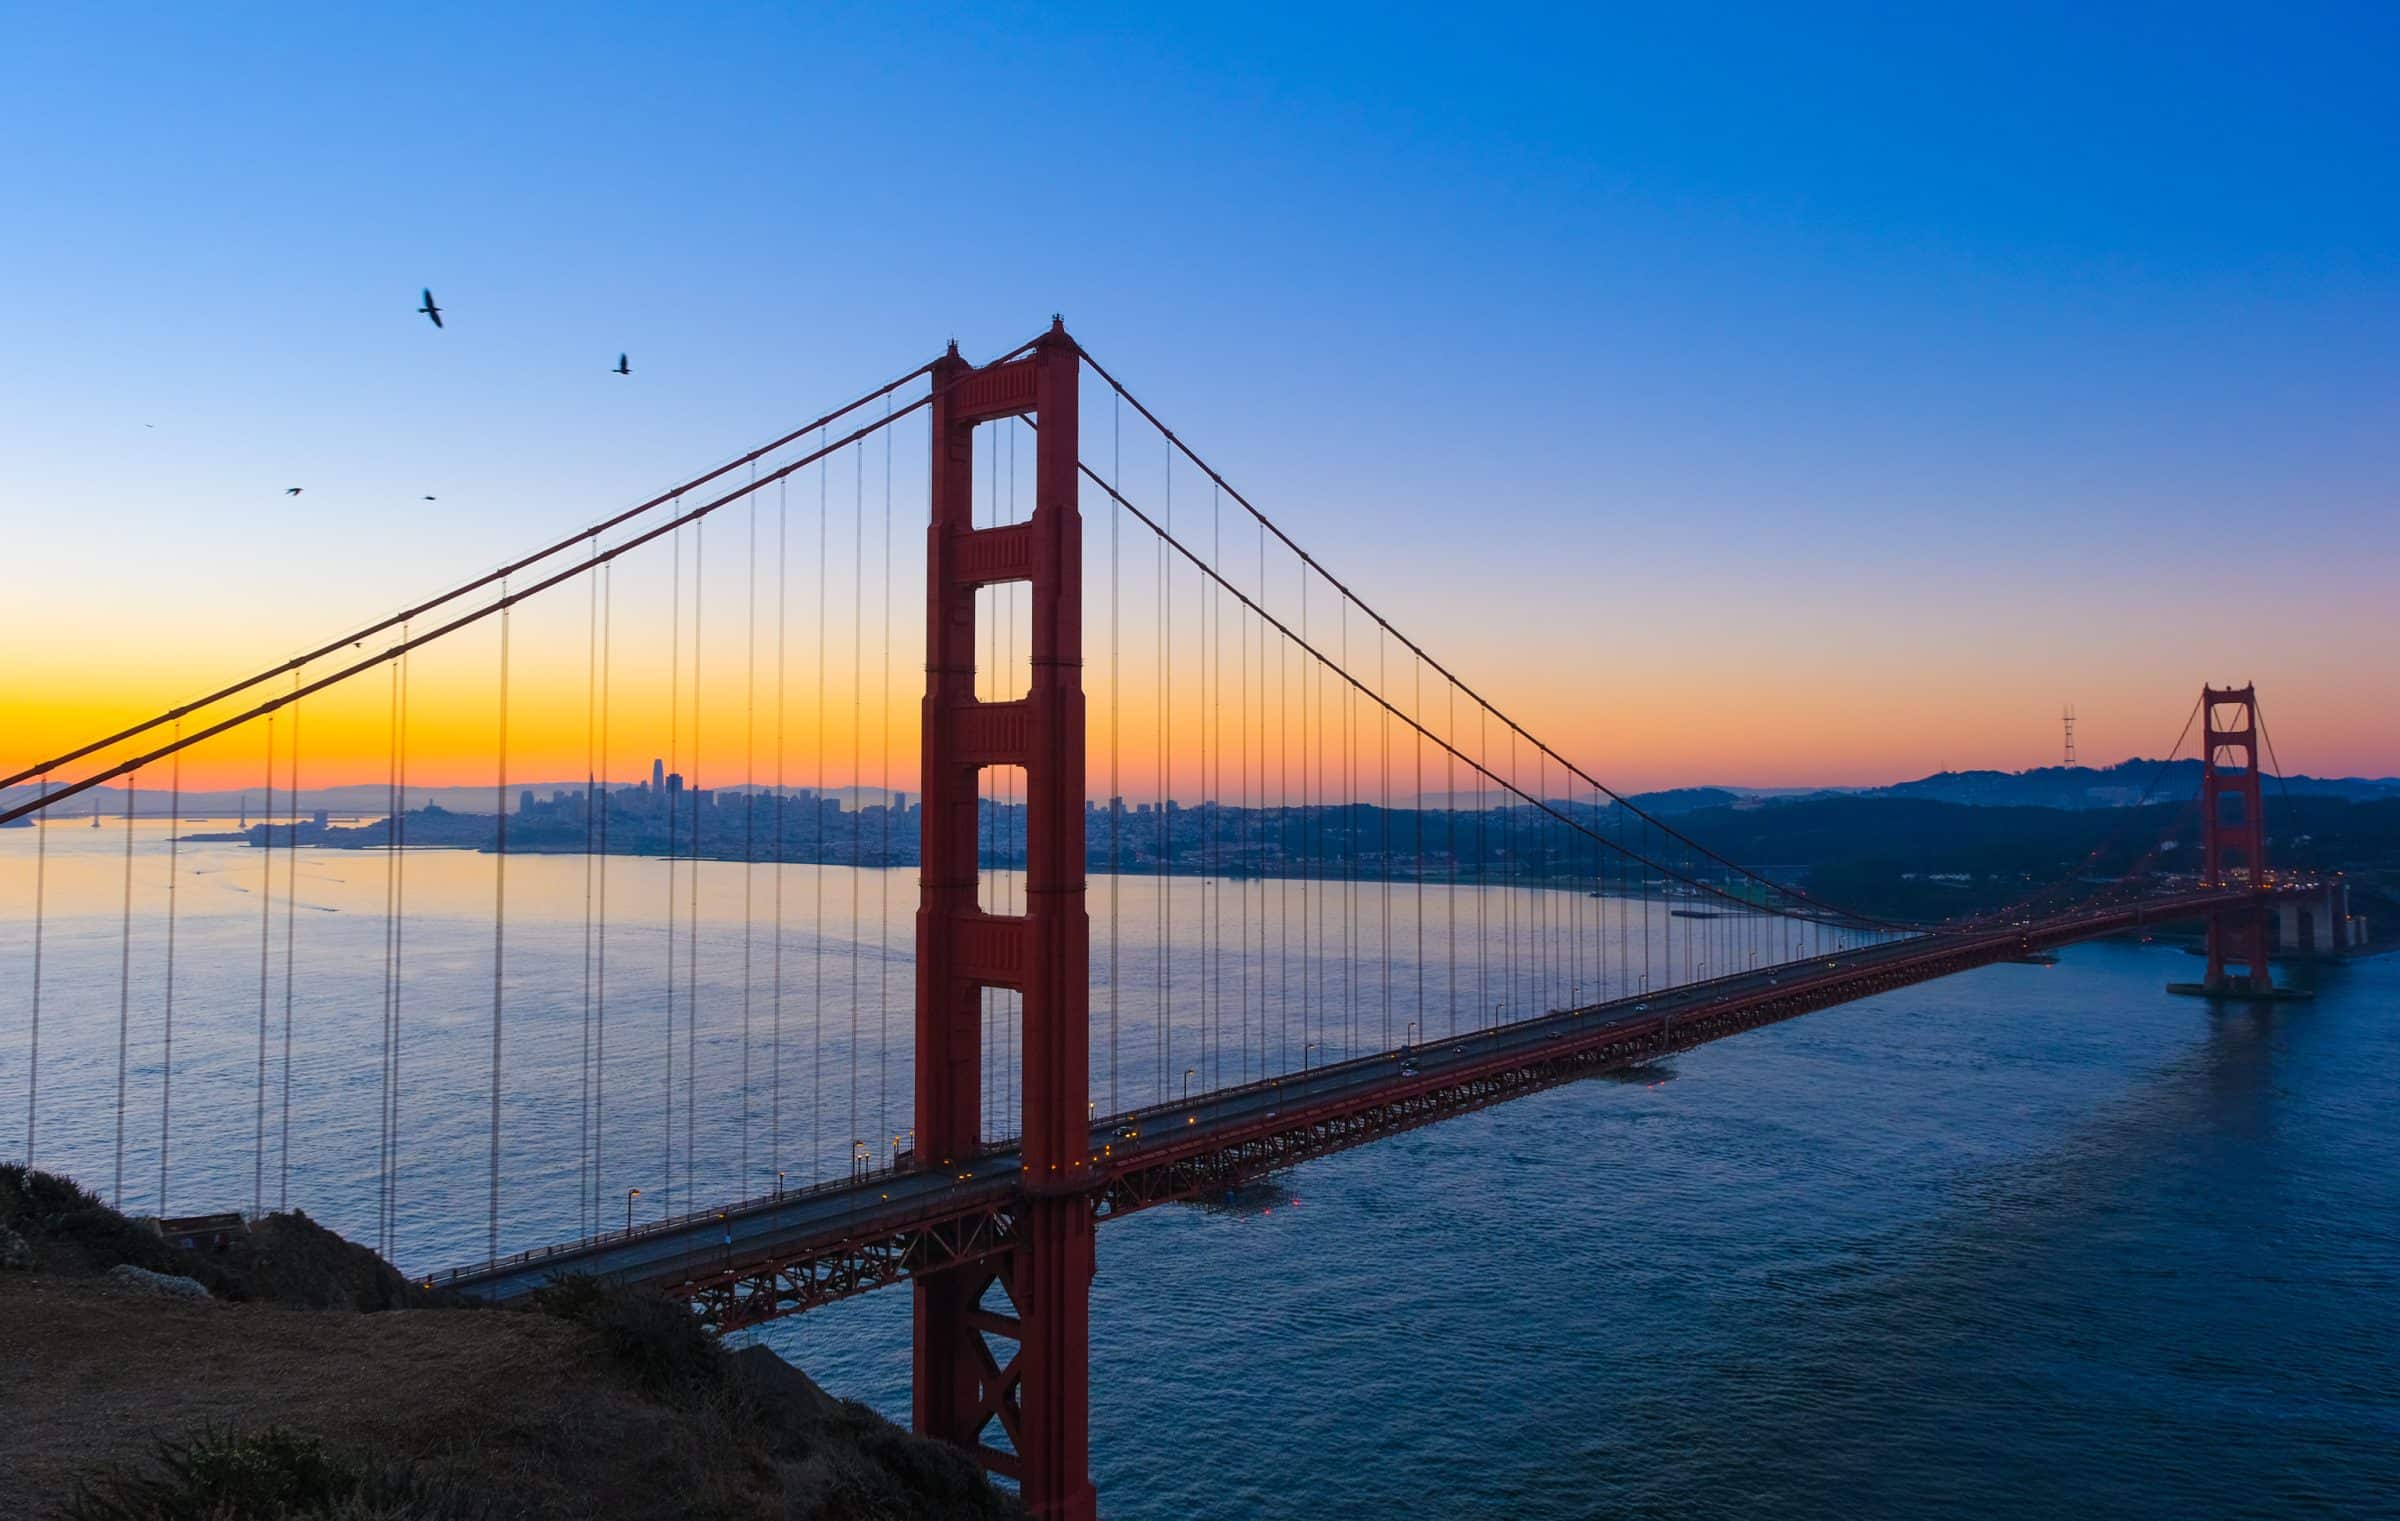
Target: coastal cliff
pixel 310 1379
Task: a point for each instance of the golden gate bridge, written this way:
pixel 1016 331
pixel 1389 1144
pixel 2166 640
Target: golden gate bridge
pixel 1337 942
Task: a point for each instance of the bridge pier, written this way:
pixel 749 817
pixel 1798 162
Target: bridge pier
pixel 1039 1394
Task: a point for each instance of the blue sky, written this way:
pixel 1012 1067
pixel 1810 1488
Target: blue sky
pixel 1897 369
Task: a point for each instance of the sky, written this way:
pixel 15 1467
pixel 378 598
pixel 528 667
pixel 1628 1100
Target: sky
pixel 1780 396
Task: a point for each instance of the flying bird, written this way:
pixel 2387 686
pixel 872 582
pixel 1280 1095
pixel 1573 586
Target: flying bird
pixel 291 491
pixel 622 367
pixel 431 310
pixel 429 499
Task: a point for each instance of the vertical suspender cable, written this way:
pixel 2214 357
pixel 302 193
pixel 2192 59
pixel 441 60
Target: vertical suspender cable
pixel 600 792
pixel 1482 857
pixel 1245 837
pixel 666 802
pixel 783 576
pixel 749 810
pixel 166 1064
pixel 1213 870
pixel 858 597
pixel 1384 810
pixel 1166 783
pixel 587 1188
pixel 391 864
pixel 1116 778
pixel 1308 856
pixel 399 954
pixel 124 992
pixel 691 928
pixel 399 957
pixel 884 857
pixel 1450 845
pixel 291 926
pixel 1349 853
pixel 266 927
pixel 33 1055
pixel 499 924
pixel 816 1054
pixel 883 874
pixel 33 1044
pixel 1508 888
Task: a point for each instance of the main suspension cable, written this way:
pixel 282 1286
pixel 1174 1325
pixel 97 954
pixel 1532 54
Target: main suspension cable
pixel 1352 682
pixel 1186 450
pixel 500 575
pixel 463 620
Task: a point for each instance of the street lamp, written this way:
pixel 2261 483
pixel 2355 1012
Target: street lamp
pixel 862 1157
pixel 778 1182
pixel 1187 1083
pixel 1305 1048
pixel 631 1194
pixel 1408 1037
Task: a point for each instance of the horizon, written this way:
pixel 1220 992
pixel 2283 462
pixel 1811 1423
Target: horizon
pixel 873 795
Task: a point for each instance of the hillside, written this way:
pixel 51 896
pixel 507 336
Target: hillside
pixel 133 1406
pixel 1923 859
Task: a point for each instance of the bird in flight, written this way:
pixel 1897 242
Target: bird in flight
pixel 291 491
pixel 429 499
pixel 431 310
pixel 622 367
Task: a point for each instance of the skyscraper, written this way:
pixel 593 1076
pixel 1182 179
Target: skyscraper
pixel 658 775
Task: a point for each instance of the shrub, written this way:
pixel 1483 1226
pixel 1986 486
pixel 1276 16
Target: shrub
pixel 271 1474
pixel 654 1340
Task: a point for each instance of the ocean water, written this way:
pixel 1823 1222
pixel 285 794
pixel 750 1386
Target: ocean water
pixel 2029 1242
pixel 2034 1241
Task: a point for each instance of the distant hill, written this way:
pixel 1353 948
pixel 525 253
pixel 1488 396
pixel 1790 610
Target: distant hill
pixel 1675 800
pixel 2115 786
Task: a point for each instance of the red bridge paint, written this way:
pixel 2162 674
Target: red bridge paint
pixel 2233 849
pixel 1040 1395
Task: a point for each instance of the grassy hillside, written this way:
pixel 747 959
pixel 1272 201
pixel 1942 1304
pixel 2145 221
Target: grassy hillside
pixel 313 1383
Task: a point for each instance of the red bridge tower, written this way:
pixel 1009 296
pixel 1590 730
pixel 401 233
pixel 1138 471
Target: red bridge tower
pixel 2233 833
pixel 1025 1367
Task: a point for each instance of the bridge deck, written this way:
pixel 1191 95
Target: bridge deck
pixel 752 1261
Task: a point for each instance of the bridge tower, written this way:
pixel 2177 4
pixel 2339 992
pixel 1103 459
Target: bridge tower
pixel 2233 831
pixel 1025 1366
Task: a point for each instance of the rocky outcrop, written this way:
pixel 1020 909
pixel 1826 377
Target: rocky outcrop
pixel 158 1285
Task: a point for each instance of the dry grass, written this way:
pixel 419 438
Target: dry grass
pixel 611 1410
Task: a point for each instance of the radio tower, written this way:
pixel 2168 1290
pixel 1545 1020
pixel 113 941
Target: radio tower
pixel 2067 715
